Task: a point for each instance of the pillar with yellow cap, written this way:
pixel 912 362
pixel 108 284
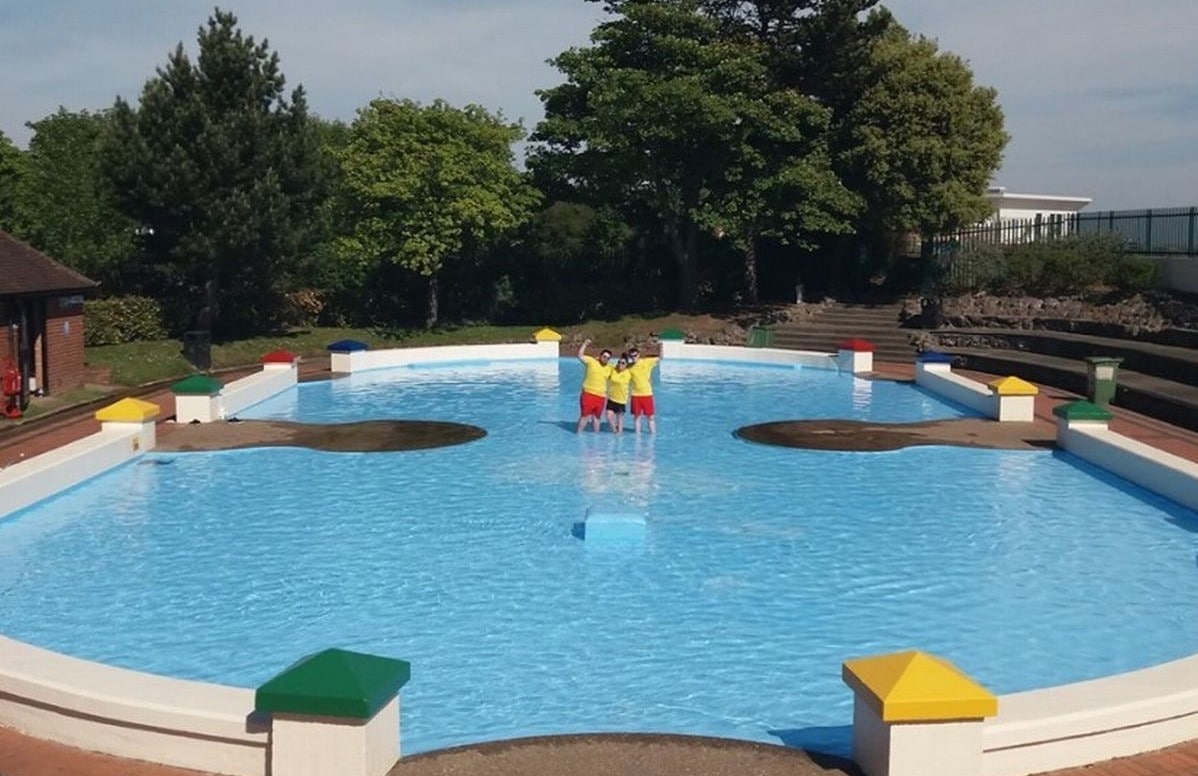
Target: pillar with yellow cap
pixel 134 417
pixel 1014 400
pixel 548 342
pixel 915 714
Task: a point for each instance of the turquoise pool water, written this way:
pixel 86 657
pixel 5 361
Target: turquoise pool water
pixel 761 571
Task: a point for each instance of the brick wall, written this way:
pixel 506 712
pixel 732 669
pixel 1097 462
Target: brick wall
pixel 5 315
pixel 63 343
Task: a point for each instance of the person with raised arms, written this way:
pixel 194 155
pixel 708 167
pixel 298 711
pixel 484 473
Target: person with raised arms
pixel 592 402
pixel 641 370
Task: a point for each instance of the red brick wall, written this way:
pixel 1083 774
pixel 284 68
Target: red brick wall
pixel 64 345
pixel 5 315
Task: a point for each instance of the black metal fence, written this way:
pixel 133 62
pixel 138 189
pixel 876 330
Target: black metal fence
pixel 1167 231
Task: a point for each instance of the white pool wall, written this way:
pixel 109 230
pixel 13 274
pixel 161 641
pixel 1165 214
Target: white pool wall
pixel 208 727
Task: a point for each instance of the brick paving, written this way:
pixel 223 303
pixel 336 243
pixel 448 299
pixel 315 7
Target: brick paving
pixel 22 756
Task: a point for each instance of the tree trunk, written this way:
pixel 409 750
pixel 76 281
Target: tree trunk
pixel 684 242
pixel 751 269
pixel 431 320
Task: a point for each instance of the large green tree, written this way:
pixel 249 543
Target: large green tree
pixel 10 175
pixel 66 207
pixel 919 140
pixel 429 185
pixel 221 169
pixel 667 112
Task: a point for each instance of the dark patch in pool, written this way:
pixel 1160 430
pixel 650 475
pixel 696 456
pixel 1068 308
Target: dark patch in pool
pixel 856 435
pixel 368 436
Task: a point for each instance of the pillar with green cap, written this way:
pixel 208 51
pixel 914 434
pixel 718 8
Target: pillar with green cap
pixel 197 398
pixel 915 714
pixel 335 712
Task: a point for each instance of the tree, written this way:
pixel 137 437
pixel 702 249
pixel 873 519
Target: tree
pixel 10 175
pixel 665 111
pixel 428 186
pixel 919 140
pixel 66 207
pixel 222 172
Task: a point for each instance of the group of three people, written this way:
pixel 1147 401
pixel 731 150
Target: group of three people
pixel 606 389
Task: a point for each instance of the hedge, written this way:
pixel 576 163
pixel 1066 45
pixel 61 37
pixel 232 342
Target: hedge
pixel 122 319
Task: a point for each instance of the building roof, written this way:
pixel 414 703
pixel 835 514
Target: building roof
pixel 26 271
pixel 1001 198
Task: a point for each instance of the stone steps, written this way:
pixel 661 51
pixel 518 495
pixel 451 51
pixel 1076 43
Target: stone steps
pixel 1170 362
pixel 831 325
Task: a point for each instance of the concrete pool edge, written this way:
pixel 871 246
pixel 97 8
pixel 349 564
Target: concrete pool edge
pixel 76 702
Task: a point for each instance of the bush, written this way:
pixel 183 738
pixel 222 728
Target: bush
pixel 122 319
pixel 1134 274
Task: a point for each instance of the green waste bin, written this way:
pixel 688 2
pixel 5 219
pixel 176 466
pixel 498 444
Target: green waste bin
pixel 1102 374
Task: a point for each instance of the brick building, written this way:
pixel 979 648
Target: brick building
pixel 41 317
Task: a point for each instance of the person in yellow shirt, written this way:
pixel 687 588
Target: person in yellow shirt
pixel 593 398
pixel 641 370
pixel 618 383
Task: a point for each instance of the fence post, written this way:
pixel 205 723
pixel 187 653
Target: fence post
pixel 1190 241
pixel 1148 230
pixel 1036 238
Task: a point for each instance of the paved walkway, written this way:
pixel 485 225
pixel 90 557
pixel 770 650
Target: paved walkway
pixel 609 756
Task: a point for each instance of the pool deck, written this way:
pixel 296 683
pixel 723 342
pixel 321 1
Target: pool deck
pixel 614 755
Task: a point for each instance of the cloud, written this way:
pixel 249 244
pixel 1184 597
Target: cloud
pixel 1098 94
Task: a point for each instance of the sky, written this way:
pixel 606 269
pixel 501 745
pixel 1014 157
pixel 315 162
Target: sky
pixel 1100 96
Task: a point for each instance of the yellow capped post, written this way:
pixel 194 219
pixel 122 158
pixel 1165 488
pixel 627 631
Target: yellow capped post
pixel 1013 386
pixel 129 411
pixel 546 335
pixel 916 714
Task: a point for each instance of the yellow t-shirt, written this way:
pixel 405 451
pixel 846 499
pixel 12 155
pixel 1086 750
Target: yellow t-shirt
pixel 595 379
pixel 641 371
pixel 617 385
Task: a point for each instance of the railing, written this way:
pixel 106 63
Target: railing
pixel 1162 232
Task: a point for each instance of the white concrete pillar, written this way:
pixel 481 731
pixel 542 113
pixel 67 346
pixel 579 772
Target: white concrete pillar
pixel 134 417
pixel 1079 414
pixel 915 714
pixel 335 712
pixel 856 356
pixel 345 356
pixel 197 398
pixel 932 362
pixel 1014 400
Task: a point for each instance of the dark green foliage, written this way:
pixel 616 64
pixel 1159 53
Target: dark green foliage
pixel 1062 267
pixel 66 207
pixel 11 163
pixel 123 319
pixel 223 173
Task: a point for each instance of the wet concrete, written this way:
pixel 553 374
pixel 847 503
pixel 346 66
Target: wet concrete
pixel 364 437
pixel 854 435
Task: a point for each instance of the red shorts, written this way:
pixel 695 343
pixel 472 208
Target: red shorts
pixel 590 405
pixel 642 405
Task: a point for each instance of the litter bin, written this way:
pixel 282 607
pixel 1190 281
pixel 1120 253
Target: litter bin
pixel 1101 379
pixel 197 349
pixel 760 337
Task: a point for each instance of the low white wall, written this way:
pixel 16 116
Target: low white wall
pixel 1179 273
pixel 32 480
pixel 362 360
pixel 685 350
pixel 250 390
pixel 129 714
pixel 1161 472
pixel 1088 722
pixel 940 379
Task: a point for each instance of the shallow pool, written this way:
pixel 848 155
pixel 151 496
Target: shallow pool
pixel 761 571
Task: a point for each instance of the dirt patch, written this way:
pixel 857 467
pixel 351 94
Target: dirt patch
pixel 365 437
pixel 622 755
pixel 855 435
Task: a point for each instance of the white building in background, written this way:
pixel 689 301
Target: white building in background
pixel 1009 206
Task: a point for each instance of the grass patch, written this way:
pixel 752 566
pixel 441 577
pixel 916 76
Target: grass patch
pixel 138 363
pixel 42 405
